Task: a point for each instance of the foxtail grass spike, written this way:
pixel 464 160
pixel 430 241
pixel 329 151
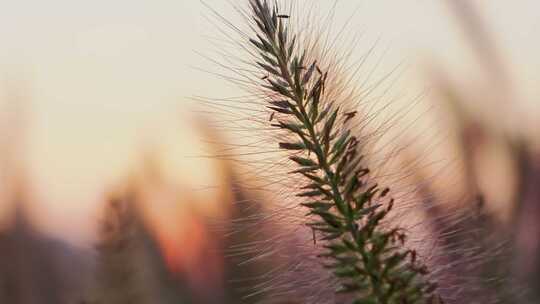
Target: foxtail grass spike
pixel 346 209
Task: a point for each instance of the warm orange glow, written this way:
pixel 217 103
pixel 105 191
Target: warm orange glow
pixel 192 252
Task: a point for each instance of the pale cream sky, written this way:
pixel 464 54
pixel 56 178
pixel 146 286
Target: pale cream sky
pixel 107 78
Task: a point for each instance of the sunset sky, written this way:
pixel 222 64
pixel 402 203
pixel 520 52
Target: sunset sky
pixel 106 80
